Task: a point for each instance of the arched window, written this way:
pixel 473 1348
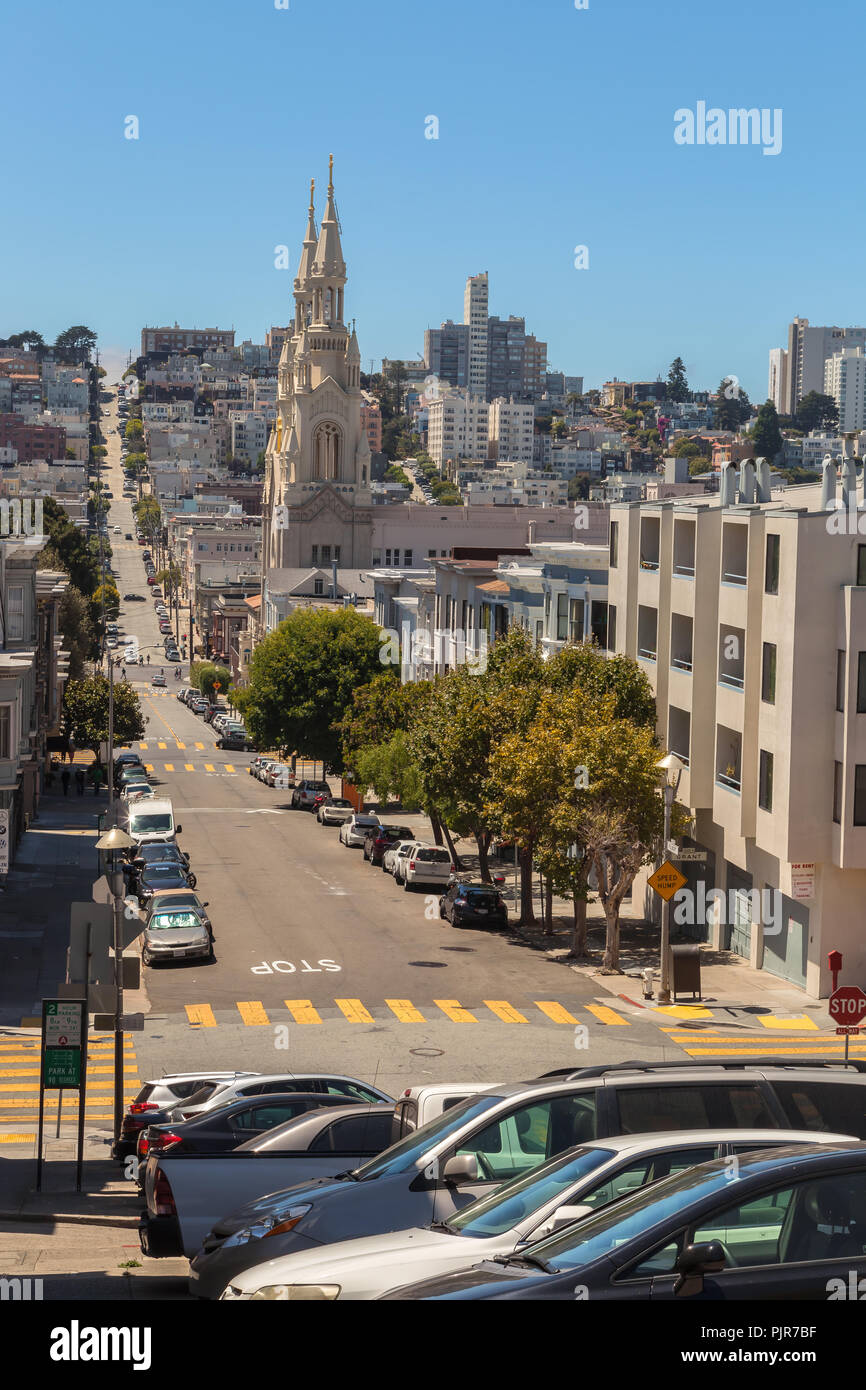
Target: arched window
pixel 327 452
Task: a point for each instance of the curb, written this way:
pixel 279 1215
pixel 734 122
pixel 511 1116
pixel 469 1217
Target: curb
pixel 74 1218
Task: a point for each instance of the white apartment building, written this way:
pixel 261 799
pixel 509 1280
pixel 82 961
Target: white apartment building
pixel 249 434
pixel 475 312
pixel 799 368
pixel 845 381
pixel 457 427
pixel 510 427
pixel 65 388
pixel 164 412
pixel 747 612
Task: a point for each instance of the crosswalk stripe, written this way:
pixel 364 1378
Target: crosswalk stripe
pixel 143 747
pixel 505 1011
pixel 354 1010
pixel 201 1014
pixel 405 1010
pixel 189 767
pixel 606 1015
pixel 162 745
pixel 208 767
pixel 70 1098
pixel 228 768
pixel 253 1014
pixel 180 746
pixel 169 767
pixel 683 1011
pixel 762 1051
pixel 148 767
pixel 797 1023
pixel 199 745
pixel 557 1013
pixel 453 1009
pixel 17 1138
pixel 302 1011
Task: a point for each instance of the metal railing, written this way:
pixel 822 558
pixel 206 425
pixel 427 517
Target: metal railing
pixel 727 678
pixel 680 663
pixel 732 784
pixel 729 577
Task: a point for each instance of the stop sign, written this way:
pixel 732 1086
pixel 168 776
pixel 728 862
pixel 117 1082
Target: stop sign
pixel 847 1004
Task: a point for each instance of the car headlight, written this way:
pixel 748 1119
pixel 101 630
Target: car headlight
pixel 304 1293
pixel 276 1224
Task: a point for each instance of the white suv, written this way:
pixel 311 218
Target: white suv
pixel 394 858
pixel 426 864
pixel 354 832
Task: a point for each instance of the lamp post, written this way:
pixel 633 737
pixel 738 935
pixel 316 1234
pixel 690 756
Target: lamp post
pixel 671 768
pixel 114 842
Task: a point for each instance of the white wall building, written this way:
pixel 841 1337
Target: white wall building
pixel 457 427
pixel 510 429
pixel 845 381
pixel 475 313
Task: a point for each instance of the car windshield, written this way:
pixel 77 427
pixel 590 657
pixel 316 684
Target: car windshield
pixel 166 921
pixel 406 1152
pixel 177 901
pixel 154 821
pixel 505 1208
pixel 153 872
pixel 436 856
pixel 364 821
pixel 627 1219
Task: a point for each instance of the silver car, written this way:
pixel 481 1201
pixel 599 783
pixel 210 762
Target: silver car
pixel 176 934
pixel 336 811
pixel 354 832
pixel 281 1082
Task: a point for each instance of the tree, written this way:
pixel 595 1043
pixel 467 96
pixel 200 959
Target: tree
pixel 302 677
pixel 733 406
pixel 391 771
pixel 108 594
pixel 68 549
pixel 134 430
pixel 766 435
pixel 578 487
pixel 377 710
pixel 601 677
pixel 86 707
pixel 29 341
pixel 816 412
pixel 75 344
pixel 210 679
pixel 79 635
pixel 677 385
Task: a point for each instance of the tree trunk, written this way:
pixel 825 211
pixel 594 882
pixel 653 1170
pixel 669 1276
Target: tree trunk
pixel 578 938
pixel 455 857
pixel 437 830
pixel 611 940
pixel 482 839
pixel 548 907
pixel 527 910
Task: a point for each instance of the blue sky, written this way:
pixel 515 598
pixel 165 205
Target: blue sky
pixel 555 130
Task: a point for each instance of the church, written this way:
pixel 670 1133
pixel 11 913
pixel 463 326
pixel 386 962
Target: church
pixel 317 504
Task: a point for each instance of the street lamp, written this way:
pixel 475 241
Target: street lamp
pixel 113 843
pixel 671 768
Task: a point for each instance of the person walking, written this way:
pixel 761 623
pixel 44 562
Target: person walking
pixel 97 778
pixel 79 780
pixel 65 777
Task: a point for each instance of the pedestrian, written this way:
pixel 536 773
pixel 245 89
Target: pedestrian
pixel 148 658
pixel 79 780
pixel 65 778
pixel 97 778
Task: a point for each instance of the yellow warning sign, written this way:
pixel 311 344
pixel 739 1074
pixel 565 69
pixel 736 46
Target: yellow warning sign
pixel 667 880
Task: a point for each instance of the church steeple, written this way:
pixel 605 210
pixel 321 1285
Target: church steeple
pixel 306 264
pixel 329 268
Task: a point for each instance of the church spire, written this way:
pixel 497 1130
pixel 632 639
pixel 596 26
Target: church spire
pixel 329 263
pixel 306 266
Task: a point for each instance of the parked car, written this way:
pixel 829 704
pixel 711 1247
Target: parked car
pixel 789 1229
pixel 235 738
pixel 164 853
pixel 380 837
pixel 305 794
pixel 329 1131
pixel 473 905
pixel 165 1091
pixel 182 694
pixel 126 759
pixel 155 821
pixel 393 857
pixel 268 767
pixel 255 764
pixel 353 831
pixel 425 866
pixel 154 877
pixel 491 1138
pixel 137 791
pixel 227 1127
pixel 326 1083
pixel 133 598
pixel 335 810
pixel 173 933
pixel 523 1210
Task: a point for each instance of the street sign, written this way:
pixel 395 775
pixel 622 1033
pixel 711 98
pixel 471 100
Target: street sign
pixel 62 1064
pixel 848 1005
pixel 667 880
pixel 845 1030
pixel 802 880
pixel 691 856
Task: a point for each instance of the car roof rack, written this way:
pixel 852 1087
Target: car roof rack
pixel 725 1064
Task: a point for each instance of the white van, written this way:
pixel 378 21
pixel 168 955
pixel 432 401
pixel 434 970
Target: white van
pixel 152 821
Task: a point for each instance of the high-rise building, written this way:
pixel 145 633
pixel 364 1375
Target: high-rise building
pixel 475 311
pixel 534 367
pixel 777 384
pixel 446 353
pixel 457 427
pixel 510 430
pixel 845 381
pixel 801 367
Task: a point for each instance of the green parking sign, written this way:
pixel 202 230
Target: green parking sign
pixel 61 1066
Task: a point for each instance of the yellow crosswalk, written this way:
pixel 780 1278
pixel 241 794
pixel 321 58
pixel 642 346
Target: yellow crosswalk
pixel 19 1087
pixel 255 1014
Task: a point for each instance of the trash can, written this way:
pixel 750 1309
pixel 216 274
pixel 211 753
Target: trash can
pixel 686 971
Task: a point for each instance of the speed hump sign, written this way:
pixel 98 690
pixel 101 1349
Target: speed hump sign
pixel 667 880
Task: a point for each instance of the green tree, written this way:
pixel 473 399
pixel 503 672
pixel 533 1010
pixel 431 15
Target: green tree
pixel 107 592
pixel 766 435
pixel 212 680
pixel 816 411
pixel 377 711
pixel 79 634
pixel 677 385
pixel 578 487
pixel 133 429
pixel 29 341
pixel 302 677
pixel 733 406
pixel 75 344
pixel 68 549
pixel 86 709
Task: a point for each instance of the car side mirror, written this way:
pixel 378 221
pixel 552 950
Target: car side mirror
pixel 563 1216
pixel 704 1257
pixel 178 830
pixel 461 1168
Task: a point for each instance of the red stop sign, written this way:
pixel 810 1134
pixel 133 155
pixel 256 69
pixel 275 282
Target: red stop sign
pixel 848 1004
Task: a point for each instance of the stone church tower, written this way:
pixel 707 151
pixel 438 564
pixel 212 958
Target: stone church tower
pixel 317 464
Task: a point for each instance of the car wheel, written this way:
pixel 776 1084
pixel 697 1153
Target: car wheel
pixel 192 880
pixel 145 958
pixel 406 885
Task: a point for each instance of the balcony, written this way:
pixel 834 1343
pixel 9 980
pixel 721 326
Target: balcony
pixel 732 644
pixel 729 749
pixel 679 733
pixel 734 554
pixel 647 633
pixel 681 642
pixel 649 543
pixel 684 549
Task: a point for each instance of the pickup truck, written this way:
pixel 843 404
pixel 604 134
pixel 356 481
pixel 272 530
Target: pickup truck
pixel 187 1193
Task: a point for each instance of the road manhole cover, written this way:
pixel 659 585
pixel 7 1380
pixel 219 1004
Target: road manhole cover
pixel 430 964
pixel 427 1051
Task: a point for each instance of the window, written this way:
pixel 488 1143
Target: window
pixel 611 627
pixel 768 673
pixel 614 544
pixel 314 555
pixel 265 1116
pixel 359 1134
pixel 644 1109
pixel 840 681
pixel 861 565
pixel 326 554
pixel 832 1106
pixel 765 781
pixel 15 612
pixel 837 793
pixel 318 586
pixel 337 553
pixel 860 794
pixel 5 731
pixel 562 617
pixel 515 1143
pixel 407 558
pixel 771 569
pixel 861 682
pixel 645 1170
pixel 387 557
pixel 431 554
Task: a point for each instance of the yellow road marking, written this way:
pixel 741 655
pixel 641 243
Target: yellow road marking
pixel 148 767
pixel 200 1013
pixel 761 1051
pixel 504 1010
pixel 189 767
pixel 453 1009
pixel 70 1098
pixel 606 1015
pixel 16 1138
pixel 180 745
pixel 169 767
pixel 405 1010
pixel 354 1010
pixel 555 1012
pixel 798 1023
pixel 199 745
pixel 208 767
pixel 302 1011
pixel 162 745
pixel 683 1011
pixel 143 747
pixel 229 767
pixel 253 1014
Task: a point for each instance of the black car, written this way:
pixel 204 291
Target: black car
pixel 233 738
pixel 473 905
pixel 382 837
pixel 224 1128
pixel 125 762
pixel 133 598
pixel 788 1225
pixel 152 878
pixel 162 852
